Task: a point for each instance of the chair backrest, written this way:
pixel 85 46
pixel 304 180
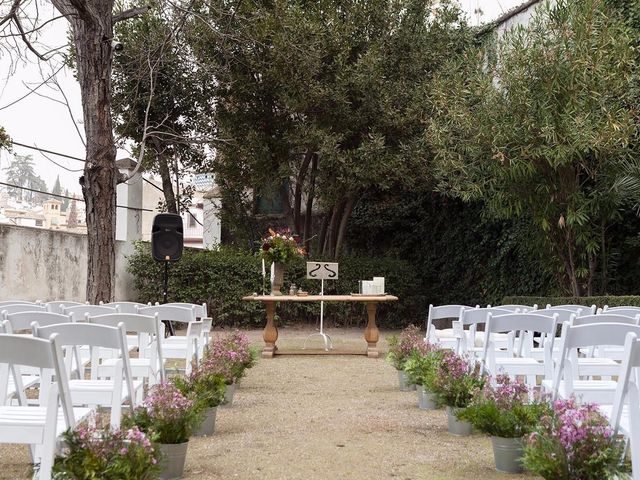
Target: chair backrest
pixel 126 307
pixel 81 312
pixel 605 318
pixel 530 322
pixel 23 320
pixel 40 353
pixel 201 309
pixel 519 308
pixel 18 302
pixel 474 316
pixel 608 309
pixel 576 308
pixel 56 306
pixel 564 315
pixel 171 313
pixel 21 307
pixel 626 312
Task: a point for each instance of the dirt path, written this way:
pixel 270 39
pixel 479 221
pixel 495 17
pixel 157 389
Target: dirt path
pixel 324 417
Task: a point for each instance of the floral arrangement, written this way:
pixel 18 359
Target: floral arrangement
pixel 504 410
pixel 421 364
pixel 456 380
pixel 281 246
pixel 166 416
pixel 401 347
pixel 205 388
pixel 574 442
pixel 89 453
pixel 230 356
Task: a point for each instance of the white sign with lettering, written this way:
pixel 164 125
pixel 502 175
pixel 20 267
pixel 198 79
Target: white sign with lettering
pixel 322 271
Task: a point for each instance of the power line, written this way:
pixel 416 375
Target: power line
pixel 67 197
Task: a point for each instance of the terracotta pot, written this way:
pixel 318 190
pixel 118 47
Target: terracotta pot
pixel 208 424
pixel 173 458
pixel 278 278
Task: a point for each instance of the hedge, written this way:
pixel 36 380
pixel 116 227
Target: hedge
pixel 222 277
pixel 599 301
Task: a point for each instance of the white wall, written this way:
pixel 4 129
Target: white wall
pixel 40 264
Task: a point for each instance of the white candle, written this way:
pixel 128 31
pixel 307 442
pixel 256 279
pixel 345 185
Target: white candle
pixel 264 270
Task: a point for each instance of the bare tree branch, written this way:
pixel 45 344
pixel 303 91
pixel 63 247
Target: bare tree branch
pixel 131 13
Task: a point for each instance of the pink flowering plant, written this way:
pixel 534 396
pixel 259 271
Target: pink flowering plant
pixel 504 409
pixel 281 246
pixel 203 387
pixel 422 364
pixel 574 442
pixel 107 454
pixel 230 356
pixel 401 347
pixel 456 380
pixel 166 416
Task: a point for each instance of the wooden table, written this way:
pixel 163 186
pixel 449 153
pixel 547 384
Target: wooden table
pixel 270 334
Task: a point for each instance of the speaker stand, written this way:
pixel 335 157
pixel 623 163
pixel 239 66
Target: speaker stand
pixel 165 291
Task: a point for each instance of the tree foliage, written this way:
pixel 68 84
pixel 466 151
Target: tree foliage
pixel 544 129
pixel 20 172
pixel 320 100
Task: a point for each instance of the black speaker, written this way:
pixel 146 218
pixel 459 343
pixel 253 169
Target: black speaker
pixel 167 237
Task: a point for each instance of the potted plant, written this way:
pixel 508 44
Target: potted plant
pixel 229 356
pixel 168 418
pixel 205 389
pixel 280 248
pixel 400 348
pixel 574 442
pixel 420 368
pixel 504 412
pixel 108 454
pixel 454 382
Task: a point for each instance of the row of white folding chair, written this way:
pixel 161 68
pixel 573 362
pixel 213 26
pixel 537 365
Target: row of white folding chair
pixel 575 308
pixel 37 426
pixel 201 313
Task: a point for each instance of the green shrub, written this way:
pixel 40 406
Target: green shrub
pixel 222 277
pixel 600 301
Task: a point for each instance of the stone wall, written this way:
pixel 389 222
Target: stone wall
pixel 39 264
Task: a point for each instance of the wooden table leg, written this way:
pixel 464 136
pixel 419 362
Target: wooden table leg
pixel 371 333
pixel 270 333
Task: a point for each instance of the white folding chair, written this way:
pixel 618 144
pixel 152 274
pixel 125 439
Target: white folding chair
pixel 444 337
pixel 623 413
pixel 38 426
pixel 56 306
pixel 18 302
pixel 125 307
pixel 179 347
pixel 518 361
pixel 566 381
pixel 101 392
pixel 604 354
pixel 150 361
pixel 518 308
pixel 468 341
pixel 630 309
pixel 578 309
pixel 202 313
pixel 81 312
pixel 21 307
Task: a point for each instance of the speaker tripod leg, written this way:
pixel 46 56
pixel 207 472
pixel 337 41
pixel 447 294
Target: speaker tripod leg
pixel 165 290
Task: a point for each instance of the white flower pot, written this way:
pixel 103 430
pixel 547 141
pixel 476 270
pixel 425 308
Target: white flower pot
pixel 173 459
pixel 228 395
pixel 426 400
pixel 208 425
pixel 457 427
pixel 403 381
pixel 507 454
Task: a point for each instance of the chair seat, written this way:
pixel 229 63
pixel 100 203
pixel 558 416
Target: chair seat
pixel 15 420
pixel 590 391
pixel 140 367
pixel 624 426
pixel 84 391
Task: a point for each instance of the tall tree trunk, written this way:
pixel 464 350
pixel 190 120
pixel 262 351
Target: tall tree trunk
pixel 346 214
pixel 332 231
pixel 167 181
pixel 308 216
pixel 93 30
pixel 591 257
pixel 323 230
pixel 297 198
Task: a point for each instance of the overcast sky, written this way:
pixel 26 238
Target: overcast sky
pixel 47 123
